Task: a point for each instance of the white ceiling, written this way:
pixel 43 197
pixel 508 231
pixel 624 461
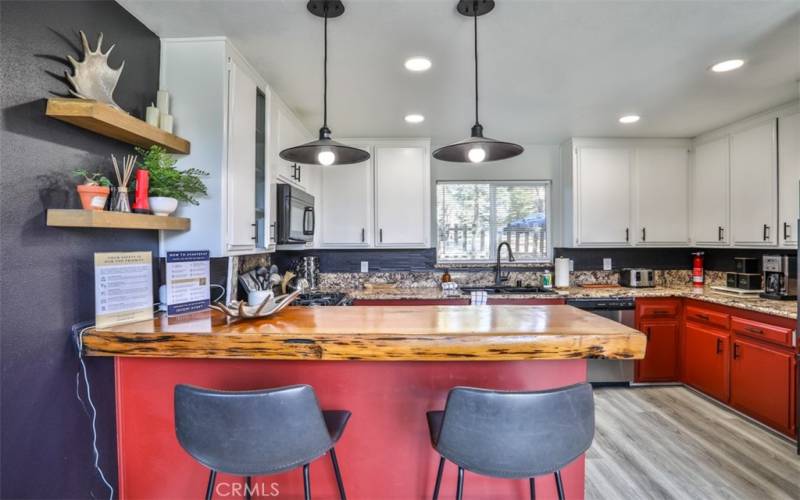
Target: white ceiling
pixel 549 69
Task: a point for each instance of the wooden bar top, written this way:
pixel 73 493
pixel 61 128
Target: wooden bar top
pixel 412 333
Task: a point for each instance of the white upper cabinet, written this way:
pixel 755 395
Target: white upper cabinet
pixel 754 185
pixel 661 196
pixel 710 193
pixel 402 195
pixel 216 101
pixel 789 178
pixel 241 159
pixel 602 196
pixel 346 204
pixel 288 132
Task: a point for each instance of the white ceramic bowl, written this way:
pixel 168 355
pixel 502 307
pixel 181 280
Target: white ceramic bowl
pixel 163 206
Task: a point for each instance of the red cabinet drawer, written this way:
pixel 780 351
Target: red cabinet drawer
pixel 762 331
pixel 658 308
pixel 708 317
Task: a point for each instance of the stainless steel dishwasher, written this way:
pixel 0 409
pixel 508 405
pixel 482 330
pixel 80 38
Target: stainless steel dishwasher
pixel 619 309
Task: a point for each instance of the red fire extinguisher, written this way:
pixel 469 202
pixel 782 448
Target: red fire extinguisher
pixel 697 272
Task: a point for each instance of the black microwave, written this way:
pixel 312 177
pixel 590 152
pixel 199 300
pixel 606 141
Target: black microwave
pixel 295 220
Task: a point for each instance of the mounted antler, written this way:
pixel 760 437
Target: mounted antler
pixel 94 79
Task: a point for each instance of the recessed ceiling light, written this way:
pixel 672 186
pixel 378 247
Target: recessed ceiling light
pixel 415 118
pixel 629 119
pixel 418 64
pixel 729 65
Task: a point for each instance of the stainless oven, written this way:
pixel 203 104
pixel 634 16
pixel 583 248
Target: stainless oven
pixel 295 215
pixel 621 310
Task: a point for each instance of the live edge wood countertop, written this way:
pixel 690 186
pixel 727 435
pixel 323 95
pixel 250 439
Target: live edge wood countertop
pixel 412 333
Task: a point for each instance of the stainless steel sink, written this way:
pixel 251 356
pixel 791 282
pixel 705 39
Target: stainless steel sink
pixel 493 290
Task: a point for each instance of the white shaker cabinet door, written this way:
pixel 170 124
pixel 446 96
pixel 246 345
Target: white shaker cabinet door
pixel 241 200
pixel 603 187
pixel 710 193
pixel 401 196
pixel 754 186
pixel 789 178
pixel 661 196
pixel 346 205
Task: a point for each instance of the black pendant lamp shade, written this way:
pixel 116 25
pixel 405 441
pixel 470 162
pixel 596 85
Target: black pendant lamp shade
pixel 325 151
pixel 477 148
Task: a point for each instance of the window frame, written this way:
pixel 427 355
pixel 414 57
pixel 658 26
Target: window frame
pixel 547 183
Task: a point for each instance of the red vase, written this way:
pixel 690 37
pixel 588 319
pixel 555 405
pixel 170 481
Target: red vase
pixel 140 203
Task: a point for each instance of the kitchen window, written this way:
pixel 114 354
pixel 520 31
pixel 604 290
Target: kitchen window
pixel 474 217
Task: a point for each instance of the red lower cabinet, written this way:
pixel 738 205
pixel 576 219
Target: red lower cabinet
pixel 706 360
pixel 762 382
pixel 660 363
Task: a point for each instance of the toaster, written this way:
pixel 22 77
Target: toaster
pixel 637 278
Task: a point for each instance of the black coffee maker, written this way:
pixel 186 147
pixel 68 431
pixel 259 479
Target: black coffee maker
pixel 780 277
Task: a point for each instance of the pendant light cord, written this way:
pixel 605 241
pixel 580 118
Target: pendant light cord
pixel 475 19
pixel 325 74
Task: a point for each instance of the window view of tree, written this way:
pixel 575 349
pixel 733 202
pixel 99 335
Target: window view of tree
pixel 474 217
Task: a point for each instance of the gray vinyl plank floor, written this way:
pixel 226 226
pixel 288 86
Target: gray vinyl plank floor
pixel 667 442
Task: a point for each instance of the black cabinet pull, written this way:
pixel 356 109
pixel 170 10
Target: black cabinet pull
pixel 644 234
pixel 720 233
pixel 627 234
pixel 299 172
pixel 255 228
pixel 719 346
pixel 380 235
pixel 363 235
pixel 703 316
pixel 766 232
pixel 786 230
pixel 751 329
pixel 735 350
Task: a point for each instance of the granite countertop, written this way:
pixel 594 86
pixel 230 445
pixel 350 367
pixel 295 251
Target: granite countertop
pixel 786 309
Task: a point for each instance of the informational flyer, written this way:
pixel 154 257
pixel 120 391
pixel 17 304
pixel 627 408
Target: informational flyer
pixel 188 281
pixel 123 287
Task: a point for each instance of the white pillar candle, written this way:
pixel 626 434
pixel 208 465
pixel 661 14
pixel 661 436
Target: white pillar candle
pixel 166 123
pixel 151 115
pixel 162 101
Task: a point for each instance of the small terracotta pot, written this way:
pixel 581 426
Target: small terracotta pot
pixel 93 197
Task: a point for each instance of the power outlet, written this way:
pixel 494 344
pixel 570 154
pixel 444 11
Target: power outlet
pixel 364 266
pixel 606 264
pixel 571 266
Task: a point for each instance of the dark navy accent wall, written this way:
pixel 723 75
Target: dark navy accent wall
pixel 47 273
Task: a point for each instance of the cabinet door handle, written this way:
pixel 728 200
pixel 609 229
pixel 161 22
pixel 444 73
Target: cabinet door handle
pixel 380 235
pixel 644 234
pixel 735 350
pixel 299 172
pixel 766 232
pixel 272 232
pixel 255 232
pixel 703 316
pixel 752 329
pixel 363 235
pixel 787 230
pixel 719 346
pixel 660 312
pixel 720 233
pixel 627 234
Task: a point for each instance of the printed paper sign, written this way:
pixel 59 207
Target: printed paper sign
pixel 123 287
pixel 188 281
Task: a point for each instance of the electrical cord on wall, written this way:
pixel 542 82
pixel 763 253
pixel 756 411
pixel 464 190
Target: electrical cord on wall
pixel 77 332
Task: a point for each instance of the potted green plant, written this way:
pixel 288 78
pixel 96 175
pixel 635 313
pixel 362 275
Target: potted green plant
pixel 168 185
pixel 94 190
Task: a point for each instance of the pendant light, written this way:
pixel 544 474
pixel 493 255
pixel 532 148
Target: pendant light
pixel 477 148
pixel 325 151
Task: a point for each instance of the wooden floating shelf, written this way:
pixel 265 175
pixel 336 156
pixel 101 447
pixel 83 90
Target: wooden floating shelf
pixel 110 122
pixel 114 220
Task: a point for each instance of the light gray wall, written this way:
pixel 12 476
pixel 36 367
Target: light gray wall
pixel 539 162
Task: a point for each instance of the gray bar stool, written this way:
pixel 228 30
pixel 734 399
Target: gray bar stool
pixel 512 435
pixel 254 433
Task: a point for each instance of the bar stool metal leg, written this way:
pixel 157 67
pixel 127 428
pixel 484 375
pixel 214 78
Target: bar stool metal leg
pixel 247 488
pixel 559 485
pixel 306 483
pixel 338 474
pixel 438 479
pixel 460 487
pixel 533 489
pixel 212 478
